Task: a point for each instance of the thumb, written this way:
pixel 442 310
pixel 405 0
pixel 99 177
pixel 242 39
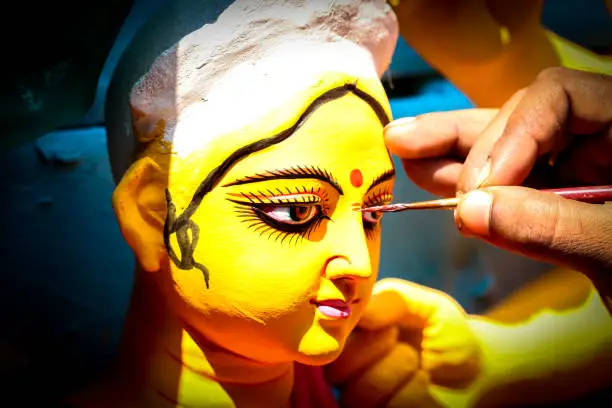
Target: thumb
pixel 542 226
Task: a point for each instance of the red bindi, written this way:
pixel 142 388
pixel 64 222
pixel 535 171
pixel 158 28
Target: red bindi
pixel 356 178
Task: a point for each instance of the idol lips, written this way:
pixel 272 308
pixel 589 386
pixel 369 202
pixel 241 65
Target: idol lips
pixel 333 308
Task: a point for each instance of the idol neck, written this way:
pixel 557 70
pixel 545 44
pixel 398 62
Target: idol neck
pixel 166 363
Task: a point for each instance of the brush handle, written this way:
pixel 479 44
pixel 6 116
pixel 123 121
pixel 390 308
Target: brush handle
pixel 594 194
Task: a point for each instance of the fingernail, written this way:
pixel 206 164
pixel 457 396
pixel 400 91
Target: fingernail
pixel 473 213
pixel 464 231
pixel 402 121
pixel 458 222
pixel 484 174
pixel 398 127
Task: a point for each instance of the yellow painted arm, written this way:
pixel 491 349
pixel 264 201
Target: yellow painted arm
pixel 552 357
pixel 572 55
pixel 489 53
pixel 551 341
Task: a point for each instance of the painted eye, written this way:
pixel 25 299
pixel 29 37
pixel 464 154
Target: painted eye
pixel 292 214
pixel 372 217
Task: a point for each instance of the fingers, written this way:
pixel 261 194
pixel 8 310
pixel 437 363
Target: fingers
pixel 385 309
pixel 415 394
pixel 362 349
pixel 438 134
pixel 433 146
pixel 457 366
pixel 437 176
pixel 502 147
pixel 381 380
pixel 408 335
pixel 449 349
pixel 542 226
pixel 475 164
pixel 561 102
pixel 407 304
pixel 588 162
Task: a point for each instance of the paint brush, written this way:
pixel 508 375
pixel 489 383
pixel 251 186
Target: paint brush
pixel 593 195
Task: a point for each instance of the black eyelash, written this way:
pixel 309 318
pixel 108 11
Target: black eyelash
pixel 375 199
pixel 252 213
pixel 259 221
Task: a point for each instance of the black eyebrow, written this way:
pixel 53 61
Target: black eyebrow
pixel 187 231
pixel 292 173
pixel 386 176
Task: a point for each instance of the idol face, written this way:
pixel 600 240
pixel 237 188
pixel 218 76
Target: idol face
pixel 278 264
pixel 256 238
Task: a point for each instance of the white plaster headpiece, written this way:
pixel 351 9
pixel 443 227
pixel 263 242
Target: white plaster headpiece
pixel 258 53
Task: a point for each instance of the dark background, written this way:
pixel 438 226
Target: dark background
pixel 66 271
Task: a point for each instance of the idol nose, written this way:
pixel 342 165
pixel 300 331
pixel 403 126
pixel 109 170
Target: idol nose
pixel 344 268
pixel 349 251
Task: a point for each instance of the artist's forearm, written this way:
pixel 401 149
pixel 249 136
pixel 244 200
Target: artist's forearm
pixel 551 357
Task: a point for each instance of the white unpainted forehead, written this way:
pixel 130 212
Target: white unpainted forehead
pixel 256 56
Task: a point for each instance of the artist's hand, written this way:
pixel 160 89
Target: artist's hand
pixel 410 341
pixel 564 113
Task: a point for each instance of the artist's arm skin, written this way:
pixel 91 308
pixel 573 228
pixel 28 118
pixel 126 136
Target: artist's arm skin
pixel 536 347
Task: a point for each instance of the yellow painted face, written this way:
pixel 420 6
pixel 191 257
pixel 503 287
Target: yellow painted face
pixel 290 263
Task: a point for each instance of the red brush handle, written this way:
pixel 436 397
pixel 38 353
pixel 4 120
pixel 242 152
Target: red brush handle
pixel 593 195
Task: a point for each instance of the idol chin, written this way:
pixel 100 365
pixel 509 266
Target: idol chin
pixel 324 342
pixel 321 357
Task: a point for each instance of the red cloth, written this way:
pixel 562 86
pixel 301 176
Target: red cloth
pixel 310 389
